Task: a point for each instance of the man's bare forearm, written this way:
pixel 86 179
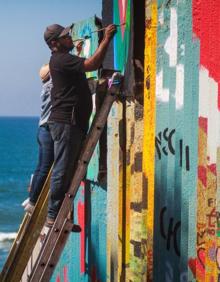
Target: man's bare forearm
pixel 94 62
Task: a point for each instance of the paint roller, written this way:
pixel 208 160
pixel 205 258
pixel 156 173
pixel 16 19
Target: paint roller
pixel 97 30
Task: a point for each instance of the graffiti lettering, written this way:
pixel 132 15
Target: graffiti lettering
pixel 171 231
pixel 168 138
pixel 169 148
pixel 201 235
pixel 169 275
pixel 212 225
pixel 211 202
pixel 200 238
pixel 212 219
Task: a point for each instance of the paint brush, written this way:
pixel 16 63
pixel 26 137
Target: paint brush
pixel 117 25
pixel 97 30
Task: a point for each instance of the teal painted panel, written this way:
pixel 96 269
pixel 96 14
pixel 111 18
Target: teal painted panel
pixel 176 142
pixel 84 256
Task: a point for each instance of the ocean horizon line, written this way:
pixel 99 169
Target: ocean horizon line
pixel 14 116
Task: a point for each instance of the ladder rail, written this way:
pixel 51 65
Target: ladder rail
pixel 14 247
pixel 56 252
pixel 23 245
pixel 43 269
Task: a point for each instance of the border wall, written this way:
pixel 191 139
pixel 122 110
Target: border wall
pixel 155 216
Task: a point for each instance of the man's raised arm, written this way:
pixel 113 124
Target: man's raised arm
pixel 94 62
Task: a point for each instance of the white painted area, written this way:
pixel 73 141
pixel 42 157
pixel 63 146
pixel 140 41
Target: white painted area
pixel 208 108
pixel 171 48
pixel 213 120
pixel 162 94
pixel 182 50
pixel 203 92
pixel 179 95
pixel 86 48
pixel 161 18
pixel 123 8
pixel 171 42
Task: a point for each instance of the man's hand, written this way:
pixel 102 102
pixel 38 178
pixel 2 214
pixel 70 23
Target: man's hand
pixel 110 31
pixel 79 46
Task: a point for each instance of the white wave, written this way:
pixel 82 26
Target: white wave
pixel 7 236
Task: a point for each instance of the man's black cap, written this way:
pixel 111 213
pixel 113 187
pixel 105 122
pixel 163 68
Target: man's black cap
pixel 55 31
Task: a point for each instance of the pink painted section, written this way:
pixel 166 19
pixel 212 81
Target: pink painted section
pixel 122 11
pixel 65 274
pixel 81 221
pixel 197 265
pixel 212 168
pixel 58 279
pixel 202 173
pixel 206 26
pixel 203 124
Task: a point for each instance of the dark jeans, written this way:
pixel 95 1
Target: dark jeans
pixel 68 140
pixel 45 160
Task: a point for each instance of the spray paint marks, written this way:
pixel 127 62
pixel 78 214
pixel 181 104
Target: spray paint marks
pixel 64 274
pixel 164 144
pixel 81 221
pixel 170 235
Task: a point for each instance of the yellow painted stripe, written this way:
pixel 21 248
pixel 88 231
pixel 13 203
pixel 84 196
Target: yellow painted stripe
pixel 149 124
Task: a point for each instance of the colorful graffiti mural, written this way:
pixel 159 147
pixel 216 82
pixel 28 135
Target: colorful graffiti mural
pixel 175 139
pixel 160 216
pixel 205 22
pixel 186 140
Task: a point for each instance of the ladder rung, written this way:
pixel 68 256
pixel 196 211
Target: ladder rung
pixel 48 266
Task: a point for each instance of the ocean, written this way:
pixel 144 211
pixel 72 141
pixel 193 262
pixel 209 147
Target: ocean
pixel 18 159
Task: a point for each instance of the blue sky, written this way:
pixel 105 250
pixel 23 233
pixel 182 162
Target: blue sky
pixel 23 50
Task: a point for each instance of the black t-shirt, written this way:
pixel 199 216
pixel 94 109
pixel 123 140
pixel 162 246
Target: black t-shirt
pixel 70 92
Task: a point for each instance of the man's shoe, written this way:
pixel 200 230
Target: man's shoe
pixel 76 228
pixel 49 222
pixel 29 208
pixel 25 202
pixel 43 234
